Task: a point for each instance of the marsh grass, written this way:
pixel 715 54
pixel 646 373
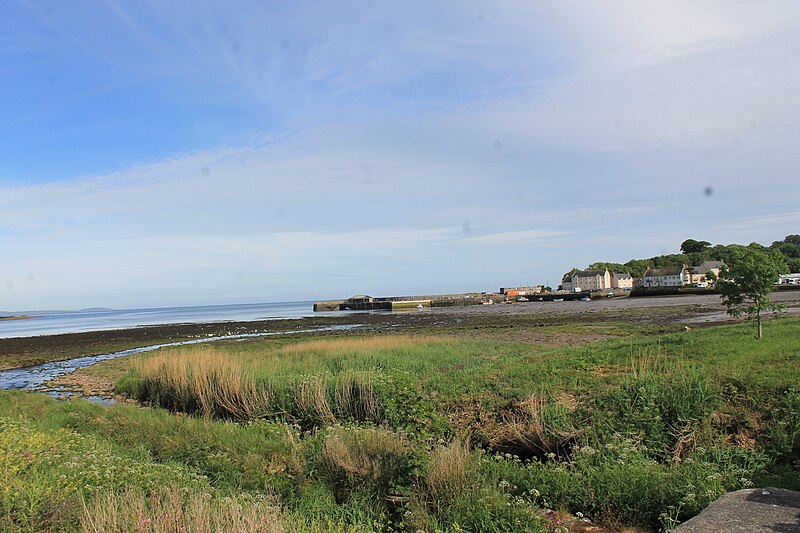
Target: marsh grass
pixel 364 459
pixel 536 427
pixel 413 432
pixel 447 476
pixel 172 509
pixel 246 386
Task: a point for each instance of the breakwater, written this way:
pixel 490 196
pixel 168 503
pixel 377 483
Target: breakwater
pixel 399 303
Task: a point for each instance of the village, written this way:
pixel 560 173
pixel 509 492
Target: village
pixel 584 285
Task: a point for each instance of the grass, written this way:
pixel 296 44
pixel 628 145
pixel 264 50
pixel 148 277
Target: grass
pixel 432 432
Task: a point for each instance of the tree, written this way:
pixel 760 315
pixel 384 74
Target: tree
pixel 747 282
pixel 691 246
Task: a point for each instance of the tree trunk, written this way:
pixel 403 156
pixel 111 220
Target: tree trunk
pixel 758 316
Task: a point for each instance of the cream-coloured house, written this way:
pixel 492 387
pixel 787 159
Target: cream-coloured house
pixel 666 277
pixel 587 280
pixel 621 280
pixel 699 273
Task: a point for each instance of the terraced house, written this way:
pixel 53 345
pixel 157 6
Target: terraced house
pixel 666 277
pixel 587 280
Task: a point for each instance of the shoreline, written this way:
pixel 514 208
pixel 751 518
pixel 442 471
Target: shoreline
pixel 18 317
pixel 694 311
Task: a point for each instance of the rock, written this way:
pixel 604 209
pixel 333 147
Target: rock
pixel 748 511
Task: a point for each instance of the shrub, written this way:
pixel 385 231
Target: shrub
pixel 660 407
pixel 619 483
pixel 784 434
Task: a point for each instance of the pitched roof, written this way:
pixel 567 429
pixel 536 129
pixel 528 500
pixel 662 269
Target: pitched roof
pixel 708 265
pixel 669 271
pixel 590 273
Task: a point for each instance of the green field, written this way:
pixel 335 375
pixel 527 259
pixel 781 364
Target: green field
pixel 453 429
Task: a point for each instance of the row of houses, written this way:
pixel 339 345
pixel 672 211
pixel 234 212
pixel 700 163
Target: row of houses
pixel 683 275
pixel 598 280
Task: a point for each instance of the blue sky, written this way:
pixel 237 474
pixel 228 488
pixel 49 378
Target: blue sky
pixel 170 153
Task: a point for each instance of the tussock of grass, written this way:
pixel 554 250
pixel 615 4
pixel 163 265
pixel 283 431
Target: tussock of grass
pixel 203 380
pixel 172 509
pixel 447 476
pixel 536 427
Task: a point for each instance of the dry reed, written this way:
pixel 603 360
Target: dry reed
pixel 528 429
pixel 204 380
pixel 448 473
pixel 172 511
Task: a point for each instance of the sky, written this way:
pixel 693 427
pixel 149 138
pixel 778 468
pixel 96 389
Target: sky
pixel 195 152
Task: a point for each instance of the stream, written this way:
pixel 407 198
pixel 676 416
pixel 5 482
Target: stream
pixel 32 377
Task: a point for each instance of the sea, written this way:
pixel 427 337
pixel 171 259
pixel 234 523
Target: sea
pixel 55 322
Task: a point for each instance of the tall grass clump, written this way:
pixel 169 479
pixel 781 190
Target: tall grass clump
pixel 453 495
pixel 536 427
pixel 201 380
pixel 322 400
pixel 663 405
pixel 371 460
pixel 171 509
pixel 448 475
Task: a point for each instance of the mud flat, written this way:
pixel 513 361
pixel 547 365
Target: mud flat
pixel 694 310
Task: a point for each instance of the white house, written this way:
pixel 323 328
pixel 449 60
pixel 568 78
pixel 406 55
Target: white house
pixel 666 277
pixel 790 279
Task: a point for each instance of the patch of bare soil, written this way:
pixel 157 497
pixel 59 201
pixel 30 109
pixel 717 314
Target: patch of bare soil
pixel 82 383
pixel 540 339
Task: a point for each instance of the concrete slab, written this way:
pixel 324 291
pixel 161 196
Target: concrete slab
pixel 767 510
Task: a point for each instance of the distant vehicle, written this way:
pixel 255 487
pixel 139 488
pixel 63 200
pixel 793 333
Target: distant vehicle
pixel 610 294
pixel 586 299
pixel 702 284
pixel 558 299
pixel 575 289
pixel 420 307
pixel 522 299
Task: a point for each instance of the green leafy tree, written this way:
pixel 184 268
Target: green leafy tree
pixel 747 282
pixel 611 267
pixel 790 248
pixel 637 267
pixel 691 246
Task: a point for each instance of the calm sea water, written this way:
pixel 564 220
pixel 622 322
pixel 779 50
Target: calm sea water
pixel 49 323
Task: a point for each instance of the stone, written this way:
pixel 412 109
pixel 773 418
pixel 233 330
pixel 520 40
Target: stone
pixel 748 511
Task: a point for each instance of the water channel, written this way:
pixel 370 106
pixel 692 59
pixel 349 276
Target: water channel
pixel 33 377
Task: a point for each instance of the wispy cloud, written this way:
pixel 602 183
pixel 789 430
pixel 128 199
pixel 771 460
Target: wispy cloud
pixel 504 141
